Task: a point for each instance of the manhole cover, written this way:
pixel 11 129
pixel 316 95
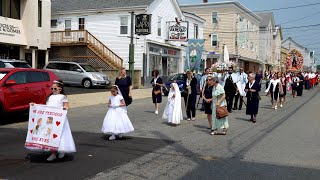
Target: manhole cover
pixel 208 158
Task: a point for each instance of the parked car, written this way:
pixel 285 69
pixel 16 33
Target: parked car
pixel 21 86
pixel 78 74
pixel 179 80
pixel 12 63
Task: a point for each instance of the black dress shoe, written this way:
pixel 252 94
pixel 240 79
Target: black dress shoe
pixel 234 108
pixel 239 108
pixel 254 120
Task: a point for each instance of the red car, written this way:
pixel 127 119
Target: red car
pixel 21 86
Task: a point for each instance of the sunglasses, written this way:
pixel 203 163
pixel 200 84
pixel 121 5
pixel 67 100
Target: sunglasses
pixel 54 89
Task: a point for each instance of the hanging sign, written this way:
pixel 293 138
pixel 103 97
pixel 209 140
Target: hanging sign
pixel 178 31
pixel 143 24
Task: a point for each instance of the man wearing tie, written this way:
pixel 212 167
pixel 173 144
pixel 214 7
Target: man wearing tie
pixel 230 87
pixel 242 80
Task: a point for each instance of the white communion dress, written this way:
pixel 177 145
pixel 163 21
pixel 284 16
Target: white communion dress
pixel 66 142
pixel 116 120
pixel 173 111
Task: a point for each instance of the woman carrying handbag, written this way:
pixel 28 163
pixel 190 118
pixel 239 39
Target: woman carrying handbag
pixel 219 105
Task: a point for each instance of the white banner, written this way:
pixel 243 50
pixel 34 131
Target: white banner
pixel 45 127
pixel 241 88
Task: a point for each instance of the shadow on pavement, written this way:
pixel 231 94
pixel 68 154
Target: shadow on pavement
pixel 94 154
pixel 13 118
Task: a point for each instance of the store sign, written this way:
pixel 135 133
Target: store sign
pixel 178 31
pixel 143 24
pixel 11 31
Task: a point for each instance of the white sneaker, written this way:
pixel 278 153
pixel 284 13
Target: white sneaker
pixel 276 107
pixel 112 137
pixel 188 119
pixel 52 157
pixel 193 119
pixel 61 155
pixel 281 105
pixel 156 112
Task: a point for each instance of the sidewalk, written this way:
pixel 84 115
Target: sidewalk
pixel 89 99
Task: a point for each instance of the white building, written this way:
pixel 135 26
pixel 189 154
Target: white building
pixel 109 22
pixel 308 58
pixel 25 30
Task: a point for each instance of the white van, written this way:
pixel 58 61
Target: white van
pixel 78 74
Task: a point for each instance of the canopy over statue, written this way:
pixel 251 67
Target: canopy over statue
pixel 294 61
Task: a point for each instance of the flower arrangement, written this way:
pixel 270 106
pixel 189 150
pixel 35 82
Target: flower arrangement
pixel 294 60
pixel 223 66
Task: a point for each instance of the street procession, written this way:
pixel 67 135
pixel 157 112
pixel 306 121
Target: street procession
pixel 159 89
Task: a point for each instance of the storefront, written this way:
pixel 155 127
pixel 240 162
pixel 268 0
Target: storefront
pixel 167 60
pixel 25 36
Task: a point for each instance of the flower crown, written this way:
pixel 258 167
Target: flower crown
pixel 57 82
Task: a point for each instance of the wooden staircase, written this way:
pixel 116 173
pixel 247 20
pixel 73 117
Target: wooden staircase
pixel 83 37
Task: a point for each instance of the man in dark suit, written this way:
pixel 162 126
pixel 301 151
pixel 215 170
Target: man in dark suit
pixel 230 88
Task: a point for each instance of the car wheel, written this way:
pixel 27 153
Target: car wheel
pixel 86 83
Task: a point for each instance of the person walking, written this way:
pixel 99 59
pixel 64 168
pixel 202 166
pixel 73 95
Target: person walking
pixel 300 87
pixel 252 89
pixel 242 79
pixel 295 84
pixel 207 99
pixel 219 96
pixel 116 120
pixel 157 83
pixel 202 83
pixel 274 89
pixel 230 88
pixel 125 85
pixel 259 78
pixel 173 110
pixel 283 81
pixel 190 87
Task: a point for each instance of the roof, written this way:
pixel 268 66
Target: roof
pixel 236 3
pixel 266 18
pixel 290 39
pixel 194 16
pixel 76 5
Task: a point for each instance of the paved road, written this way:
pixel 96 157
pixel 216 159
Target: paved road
pixel 80 90
pixel 282 144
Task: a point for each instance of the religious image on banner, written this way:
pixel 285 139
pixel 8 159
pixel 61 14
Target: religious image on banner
pixel 194 54
pixel 45 127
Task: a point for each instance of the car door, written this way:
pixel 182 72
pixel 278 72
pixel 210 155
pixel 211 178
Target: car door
pixel 39 86
pixel 65 72
pixel 17 96
pixel 56 69
pixel 75 74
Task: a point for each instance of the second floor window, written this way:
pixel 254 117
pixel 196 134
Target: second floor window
pixel 214 40
pixel 159 25
pixel 81 23
pixel 54 23
pixel 10 8
pixel 123 25
pixel 39 13
pixel 214 17
pixel 67 27
pixel 196 31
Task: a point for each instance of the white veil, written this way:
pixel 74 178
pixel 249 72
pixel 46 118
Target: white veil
pixel 177 111
pixel 119 92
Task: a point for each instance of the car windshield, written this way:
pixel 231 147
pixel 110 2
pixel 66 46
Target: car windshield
pixel 9 65
pixel 88 68
pixel 177 77
pixel 3 74
pixel 21 64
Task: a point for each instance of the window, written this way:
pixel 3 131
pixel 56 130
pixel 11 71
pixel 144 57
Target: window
pixel 54 23
pixel 159 25
pixel 67 27
pixel 214 17
pixel 123 25
pixel 39 13
pixel 252 46
pixel 73 67
pixel 81 23
pixel 10 8
pixel 19 77
pixel 196 31
pixel 38 77
pixel 52 66
pixel 214 40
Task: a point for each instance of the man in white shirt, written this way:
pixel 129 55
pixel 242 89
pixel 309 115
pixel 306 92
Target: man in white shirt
pixel 241 84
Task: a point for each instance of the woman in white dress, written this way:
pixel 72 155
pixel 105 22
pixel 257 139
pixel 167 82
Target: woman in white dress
pixel 59 100
pixel 173 110
pixel 116 120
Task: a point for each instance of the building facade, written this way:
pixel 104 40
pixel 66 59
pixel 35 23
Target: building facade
pixel 25 30
pixel 110 24
pixel 232 24
pixel 277 38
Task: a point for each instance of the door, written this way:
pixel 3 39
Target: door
pixel 17 96
pixel 75 74
pixel 67 27
pixel 165 66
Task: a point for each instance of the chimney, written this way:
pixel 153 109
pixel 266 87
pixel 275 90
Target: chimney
pixel 205 1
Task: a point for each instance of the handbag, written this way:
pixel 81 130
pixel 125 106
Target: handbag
pixel 157 92
pixel 221 112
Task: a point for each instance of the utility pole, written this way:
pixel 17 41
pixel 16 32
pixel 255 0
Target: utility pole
pixel 131 48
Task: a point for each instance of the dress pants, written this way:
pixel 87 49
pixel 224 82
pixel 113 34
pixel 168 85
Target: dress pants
pixel 236 101
pixel 229 99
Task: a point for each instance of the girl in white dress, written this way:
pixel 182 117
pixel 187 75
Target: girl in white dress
pixel 58 99
pixel 274 89
pixel 116 120
pixel 173 110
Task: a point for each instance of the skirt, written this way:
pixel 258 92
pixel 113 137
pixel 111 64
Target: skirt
pixel 207 108
pixel 117 121
pixel 66 142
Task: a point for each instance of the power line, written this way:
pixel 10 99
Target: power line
pixel 300 18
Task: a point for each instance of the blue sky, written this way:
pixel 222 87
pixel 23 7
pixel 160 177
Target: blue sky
pixel 308 37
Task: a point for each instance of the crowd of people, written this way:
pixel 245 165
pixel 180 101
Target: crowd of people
pixel 221 93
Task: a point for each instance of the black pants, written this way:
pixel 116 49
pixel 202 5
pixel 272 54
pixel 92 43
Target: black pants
pixel 236 101
pixel 191 106
pixel 229 99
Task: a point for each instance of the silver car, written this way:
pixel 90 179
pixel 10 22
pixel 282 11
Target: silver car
pixel 78 74
pixel 12 63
